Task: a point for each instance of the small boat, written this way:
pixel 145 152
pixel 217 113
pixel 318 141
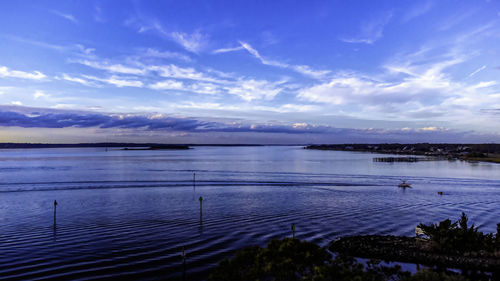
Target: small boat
pixel 404 184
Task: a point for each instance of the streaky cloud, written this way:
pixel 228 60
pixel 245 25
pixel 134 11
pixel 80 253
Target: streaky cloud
pixel 35 75
pixel 64 16
pixel 477 71
pixel 302 69
pixel 227 50
pixel 419 9
pixel 371 30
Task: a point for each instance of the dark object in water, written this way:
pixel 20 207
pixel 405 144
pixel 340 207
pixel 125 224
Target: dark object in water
pixel 440 192
pixel 404 184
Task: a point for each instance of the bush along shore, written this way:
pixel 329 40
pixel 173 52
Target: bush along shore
pixel 447 246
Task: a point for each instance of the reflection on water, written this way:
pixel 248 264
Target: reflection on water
pixel 129 213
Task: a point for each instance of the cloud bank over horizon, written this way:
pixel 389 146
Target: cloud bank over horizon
pixel 312 72
pixel 161 125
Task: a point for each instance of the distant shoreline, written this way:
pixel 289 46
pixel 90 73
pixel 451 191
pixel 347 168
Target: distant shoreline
pixel 487 152
pixel 144 146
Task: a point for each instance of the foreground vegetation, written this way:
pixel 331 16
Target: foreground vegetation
pixel 292 259
pixel 458 238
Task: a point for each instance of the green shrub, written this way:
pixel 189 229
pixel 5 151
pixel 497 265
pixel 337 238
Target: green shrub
pixel 458 237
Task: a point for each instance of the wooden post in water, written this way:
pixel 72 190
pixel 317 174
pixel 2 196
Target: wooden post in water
pixel 183 264
pixel 293 230
pixel 201 210
pixel 55 207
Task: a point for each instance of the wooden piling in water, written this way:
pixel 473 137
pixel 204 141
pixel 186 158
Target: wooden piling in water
pixel 201 209
pixel 55 208
pixel 183 264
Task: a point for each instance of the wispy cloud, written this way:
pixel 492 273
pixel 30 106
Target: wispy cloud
pixel 254 89
pixel 77 80
pixel 416 86
pixel 308 71
pixel 98 15
pixel 419 8
pixel 115 68
pixel 303 69
pixel 371 30
pixel 40 94
pixel 35 75
pixel 256 54
pixel 154 53
pixel 177 72
pixel 64 16
pixel 167 85
pixel 227 50
pixel 455 19
pixel 477 71
pixel 78 50
pixel 193 42
pixel 117 81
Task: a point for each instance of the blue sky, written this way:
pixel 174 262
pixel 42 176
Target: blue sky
pixel 250 71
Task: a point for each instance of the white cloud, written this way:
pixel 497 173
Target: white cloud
pixel 371 30
pixel 227 50
pixel 256 54
pixel 205 88
pixel 297 108
pixel 303 69
pixel 252 89
pixel 35 75
pixel 98 16
pixel 167 85
pixel 415 86
pixel 115 68
pixel 117 81
pixel 430 129
pixel 455 19
pixel 419 9
pixel 477 71
pixel 177 72
pixel 306 70
pixel 65 16
pixel 150 52
pixel 77 80
pixel 4 90
pixel 40 94
pixel 16 103
pixel 193 42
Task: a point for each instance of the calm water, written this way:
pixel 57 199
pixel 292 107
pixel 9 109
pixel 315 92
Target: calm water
pixel 128 214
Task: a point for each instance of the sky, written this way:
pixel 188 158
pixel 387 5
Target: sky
pixel 270 72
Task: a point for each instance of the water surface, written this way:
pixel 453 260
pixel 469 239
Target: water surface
pixel 127 214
